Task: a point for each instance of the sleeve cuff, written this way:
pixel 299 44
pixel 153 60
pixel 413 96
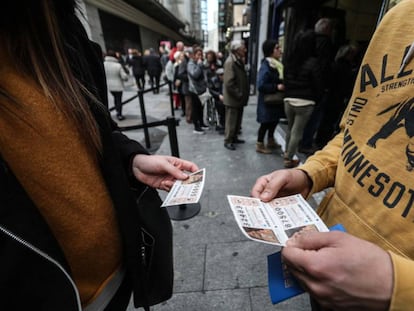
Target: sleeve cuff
pixel 403 291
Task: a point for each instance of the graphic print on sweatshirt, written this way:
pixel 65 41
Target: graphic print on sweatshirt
pixel 378 144
pixel 402 116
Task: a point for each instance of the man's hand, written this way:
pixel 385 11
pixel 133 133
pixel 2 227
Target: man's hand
pixel 281 183
pixel 161 171
pixel 340 271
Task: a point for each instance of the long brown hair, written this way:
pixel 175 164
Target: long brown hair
pixel 33 36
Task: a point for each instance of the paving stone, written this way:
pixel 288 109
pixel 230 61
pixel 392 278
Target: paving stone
pixel 189 266
pixel 261 301
pixel 237 265
pixel 235 300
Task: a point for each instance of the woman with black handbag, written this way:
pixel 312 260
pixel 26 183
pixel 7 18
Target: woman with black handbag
pixel 270 99
pixel 71 234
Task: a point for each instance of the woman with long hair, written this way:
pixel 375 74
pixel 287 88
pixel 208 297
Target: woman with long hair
pixel 68 219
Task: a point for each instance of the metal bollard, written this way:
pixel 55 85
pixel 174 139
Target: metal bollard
pixel 144 119
pixel 172 134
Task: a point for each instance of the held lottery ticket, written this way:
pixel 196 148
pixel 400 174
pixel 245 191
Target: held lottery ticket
pixel 186 191
pixel 276 221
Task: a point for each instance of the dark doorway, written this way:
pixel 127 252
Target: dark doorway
pixel 119 35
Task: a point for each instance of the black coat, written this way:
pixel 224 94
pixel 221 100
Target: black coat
pixel 306 82
pixel 137 64
pixel 34 274
pixel 153 65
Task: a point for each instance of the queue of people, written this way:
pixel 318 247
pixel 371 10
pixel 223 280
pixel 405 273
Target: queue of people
pixel 274 75
pixel 195 77
pixel 303 79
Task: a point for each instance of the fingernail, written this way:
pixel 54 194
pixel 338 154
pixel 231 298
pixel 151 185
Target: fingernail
pixel 265 195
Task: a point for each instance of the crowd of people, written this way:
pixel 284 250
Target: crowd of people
pixel 304 87
pixel 313 104
pixel 196 76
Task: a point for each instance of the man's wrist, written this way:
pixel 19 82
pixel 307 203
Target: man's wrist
pixel 308 181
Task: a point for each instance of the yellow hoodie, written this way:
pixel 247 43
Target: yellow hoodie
pixel 370 164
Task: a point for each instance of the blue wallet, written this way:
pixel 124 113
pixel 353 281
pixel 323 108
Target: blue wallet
pixel 282 284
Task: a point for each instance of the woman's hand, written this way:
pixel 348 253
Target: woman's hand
pixel 161 171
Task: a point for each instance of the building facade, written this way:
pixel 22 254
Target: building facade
pixel 141 24
pixel 257 20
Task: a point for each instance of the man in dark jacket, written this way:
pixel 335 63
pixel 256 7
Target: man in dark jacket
pixel 136 62
pixel 235 92
pixel 325 54
pixel 153 66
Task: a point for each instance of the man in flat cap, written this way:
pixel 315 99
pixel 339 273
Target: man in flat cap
pixel 235 92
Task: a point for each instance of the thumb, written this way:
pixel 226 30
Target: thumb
pixel 262 189
pixel 314 240
pixel 175 172
pixel 268 193
pixel 303 249
pixel 271 188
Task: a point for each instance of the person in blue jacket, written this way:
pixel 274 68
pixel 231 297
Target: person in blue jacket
pixel 269 81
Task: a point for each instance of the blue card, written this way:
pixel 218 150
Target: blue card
pixel 282 284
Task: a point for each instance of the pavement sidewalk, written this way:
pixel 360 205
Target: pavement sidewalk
pixel 216 267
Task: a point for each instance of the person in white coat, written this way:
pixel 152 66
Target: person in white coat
pixel 115 77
